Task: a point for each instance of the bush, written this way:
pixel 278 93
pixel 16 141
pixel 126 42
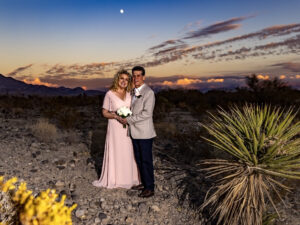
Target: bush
pixel 264 145
pixel 44 131
pixel 21 207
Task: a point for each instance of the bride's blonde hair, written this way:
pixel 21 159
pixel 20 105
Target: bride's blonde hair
pixel 116 79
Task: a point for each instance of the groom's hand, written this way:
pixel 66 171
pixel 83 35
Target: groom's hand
pixel 123 121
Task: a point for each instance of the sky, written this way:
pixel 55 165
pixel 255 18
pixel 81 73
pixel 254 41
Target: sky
pixel 189 44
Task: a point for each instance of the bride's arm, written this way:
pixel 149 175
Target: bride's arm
pixel 109 115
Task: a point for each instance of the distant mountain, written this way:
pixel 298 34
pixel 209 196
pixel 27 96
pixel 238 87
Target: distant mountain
pixel 9 85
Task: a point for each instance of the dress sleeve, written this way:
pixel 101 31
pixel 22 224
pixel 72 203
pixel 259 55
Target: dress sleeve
pixel 106 102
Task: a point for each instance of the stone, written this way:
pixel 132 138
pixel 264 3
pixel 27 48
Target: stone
pixel 80 213
pixel 61 167
pixel 60 162
pixel 102 216
pixel 143 208
pixel 59 183
pixel 97 220
pixel 129 220
pixel 72 187
pixel 45 161
pixel 155 208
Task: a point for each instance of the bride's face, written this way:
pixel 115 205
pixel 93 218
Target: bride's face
pixel 123 81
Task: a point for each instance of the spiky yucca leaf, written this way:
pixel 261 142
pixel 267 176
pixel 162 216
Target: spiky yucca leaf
pixel 263 142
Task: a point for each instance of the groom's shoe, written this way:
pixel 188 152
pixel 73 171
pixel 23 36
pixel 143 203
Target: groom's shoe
pixel 138 187
pixel 146 193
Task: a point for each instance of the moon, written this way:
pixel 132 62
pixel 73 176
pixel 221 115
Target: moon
pixel 121 11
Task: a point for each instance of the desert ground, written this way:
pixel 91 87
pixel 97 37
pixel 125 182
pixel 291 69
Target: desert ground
pixel 68 157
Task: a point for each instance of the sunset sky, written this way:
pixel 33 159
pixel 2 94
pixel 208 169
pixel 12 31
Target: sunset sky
pixel 191 44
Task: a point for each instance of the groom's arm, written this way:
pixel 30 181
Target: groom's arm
pixel 147 111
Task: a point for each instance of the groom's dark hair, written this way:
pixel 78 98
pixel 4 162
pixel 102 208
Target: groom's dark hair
pixel 139 68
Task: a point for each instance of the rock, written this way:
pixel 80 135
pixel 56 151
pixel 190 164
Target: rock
pixel 129 220
pixel 155 208
pixel 129 207
pixel 102 216
pixel 45 161
pixel 143 208
pixel 97 220
pixel 59 184
pixel 60 162
pixel 72 163
pixel 61 167
pixel 72 187
pixel 80 213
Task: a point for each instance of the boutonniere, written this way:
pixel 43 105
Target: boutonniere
pixel 137 94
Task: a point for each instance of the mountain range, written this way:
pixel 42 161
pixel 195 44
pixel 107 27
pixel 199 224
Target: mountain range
pixel 11 86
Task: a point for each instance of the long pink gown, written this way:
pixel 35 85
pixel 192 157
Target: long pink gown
pixel 119 168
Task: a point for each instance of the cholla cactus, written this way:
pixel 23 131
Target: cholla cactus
pixel 8 210
pixel 20 206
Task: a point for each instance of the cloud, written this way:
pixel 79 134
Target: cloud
pixel 19 70
pixel 216 28
pixel 219 80
pixel 37 81
pixel 263 77
pixel 165 43
pixel 74 70
pixel 290 66
pixel 191 26
pixel 188 82
pixel 170 50
pixel 282 77
pixel 218 50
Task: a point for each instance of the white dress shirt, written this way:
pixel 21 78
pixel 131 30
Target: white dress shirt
pixel 137 91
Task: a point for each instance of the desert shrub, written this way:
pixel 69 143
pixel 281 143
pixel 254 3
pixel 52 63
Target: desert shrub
pixel 19 206
pixel 68 118
pixel 263 143
pixel 44 131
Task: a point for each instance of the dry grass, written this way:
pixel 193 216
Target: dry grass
pixel 44 131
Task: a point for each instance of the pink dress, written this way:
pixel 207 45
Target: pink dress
pixel 119 168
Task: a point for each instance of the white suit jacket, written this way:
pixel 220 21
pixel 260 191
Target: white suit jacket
pixel 141 121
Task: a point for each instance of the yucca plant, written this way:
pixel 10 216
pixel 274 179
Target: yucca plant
pixel 264 146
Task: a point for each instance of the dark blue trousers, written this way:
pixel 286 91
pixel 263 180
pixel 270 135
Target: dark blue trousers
pixel 143 156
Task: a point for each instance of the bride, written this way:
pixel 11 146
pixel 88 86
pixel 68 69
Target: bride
pixel 119 168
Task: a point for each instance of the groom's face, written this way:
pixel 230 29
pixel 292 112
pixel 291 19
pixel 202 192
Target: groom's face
pixel 138 78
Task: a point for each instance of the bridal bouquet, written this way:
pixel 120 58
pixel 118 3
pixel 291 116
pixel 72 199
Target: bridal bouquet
pixel 124 112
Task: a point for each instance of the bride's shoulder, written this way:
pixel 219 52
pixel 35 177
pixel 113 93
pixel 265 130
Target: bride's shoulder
pixel 108 92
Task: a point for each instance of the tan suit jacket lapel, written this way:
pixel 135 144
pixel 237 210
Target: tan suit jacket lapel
pixel 143 91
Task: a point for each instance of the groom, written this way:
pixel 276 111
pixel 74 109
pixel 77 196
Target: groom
pixel 142 130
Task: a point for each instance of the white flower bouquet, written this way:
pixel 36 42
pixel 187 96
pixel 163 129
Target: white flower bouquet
pixel 124 112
